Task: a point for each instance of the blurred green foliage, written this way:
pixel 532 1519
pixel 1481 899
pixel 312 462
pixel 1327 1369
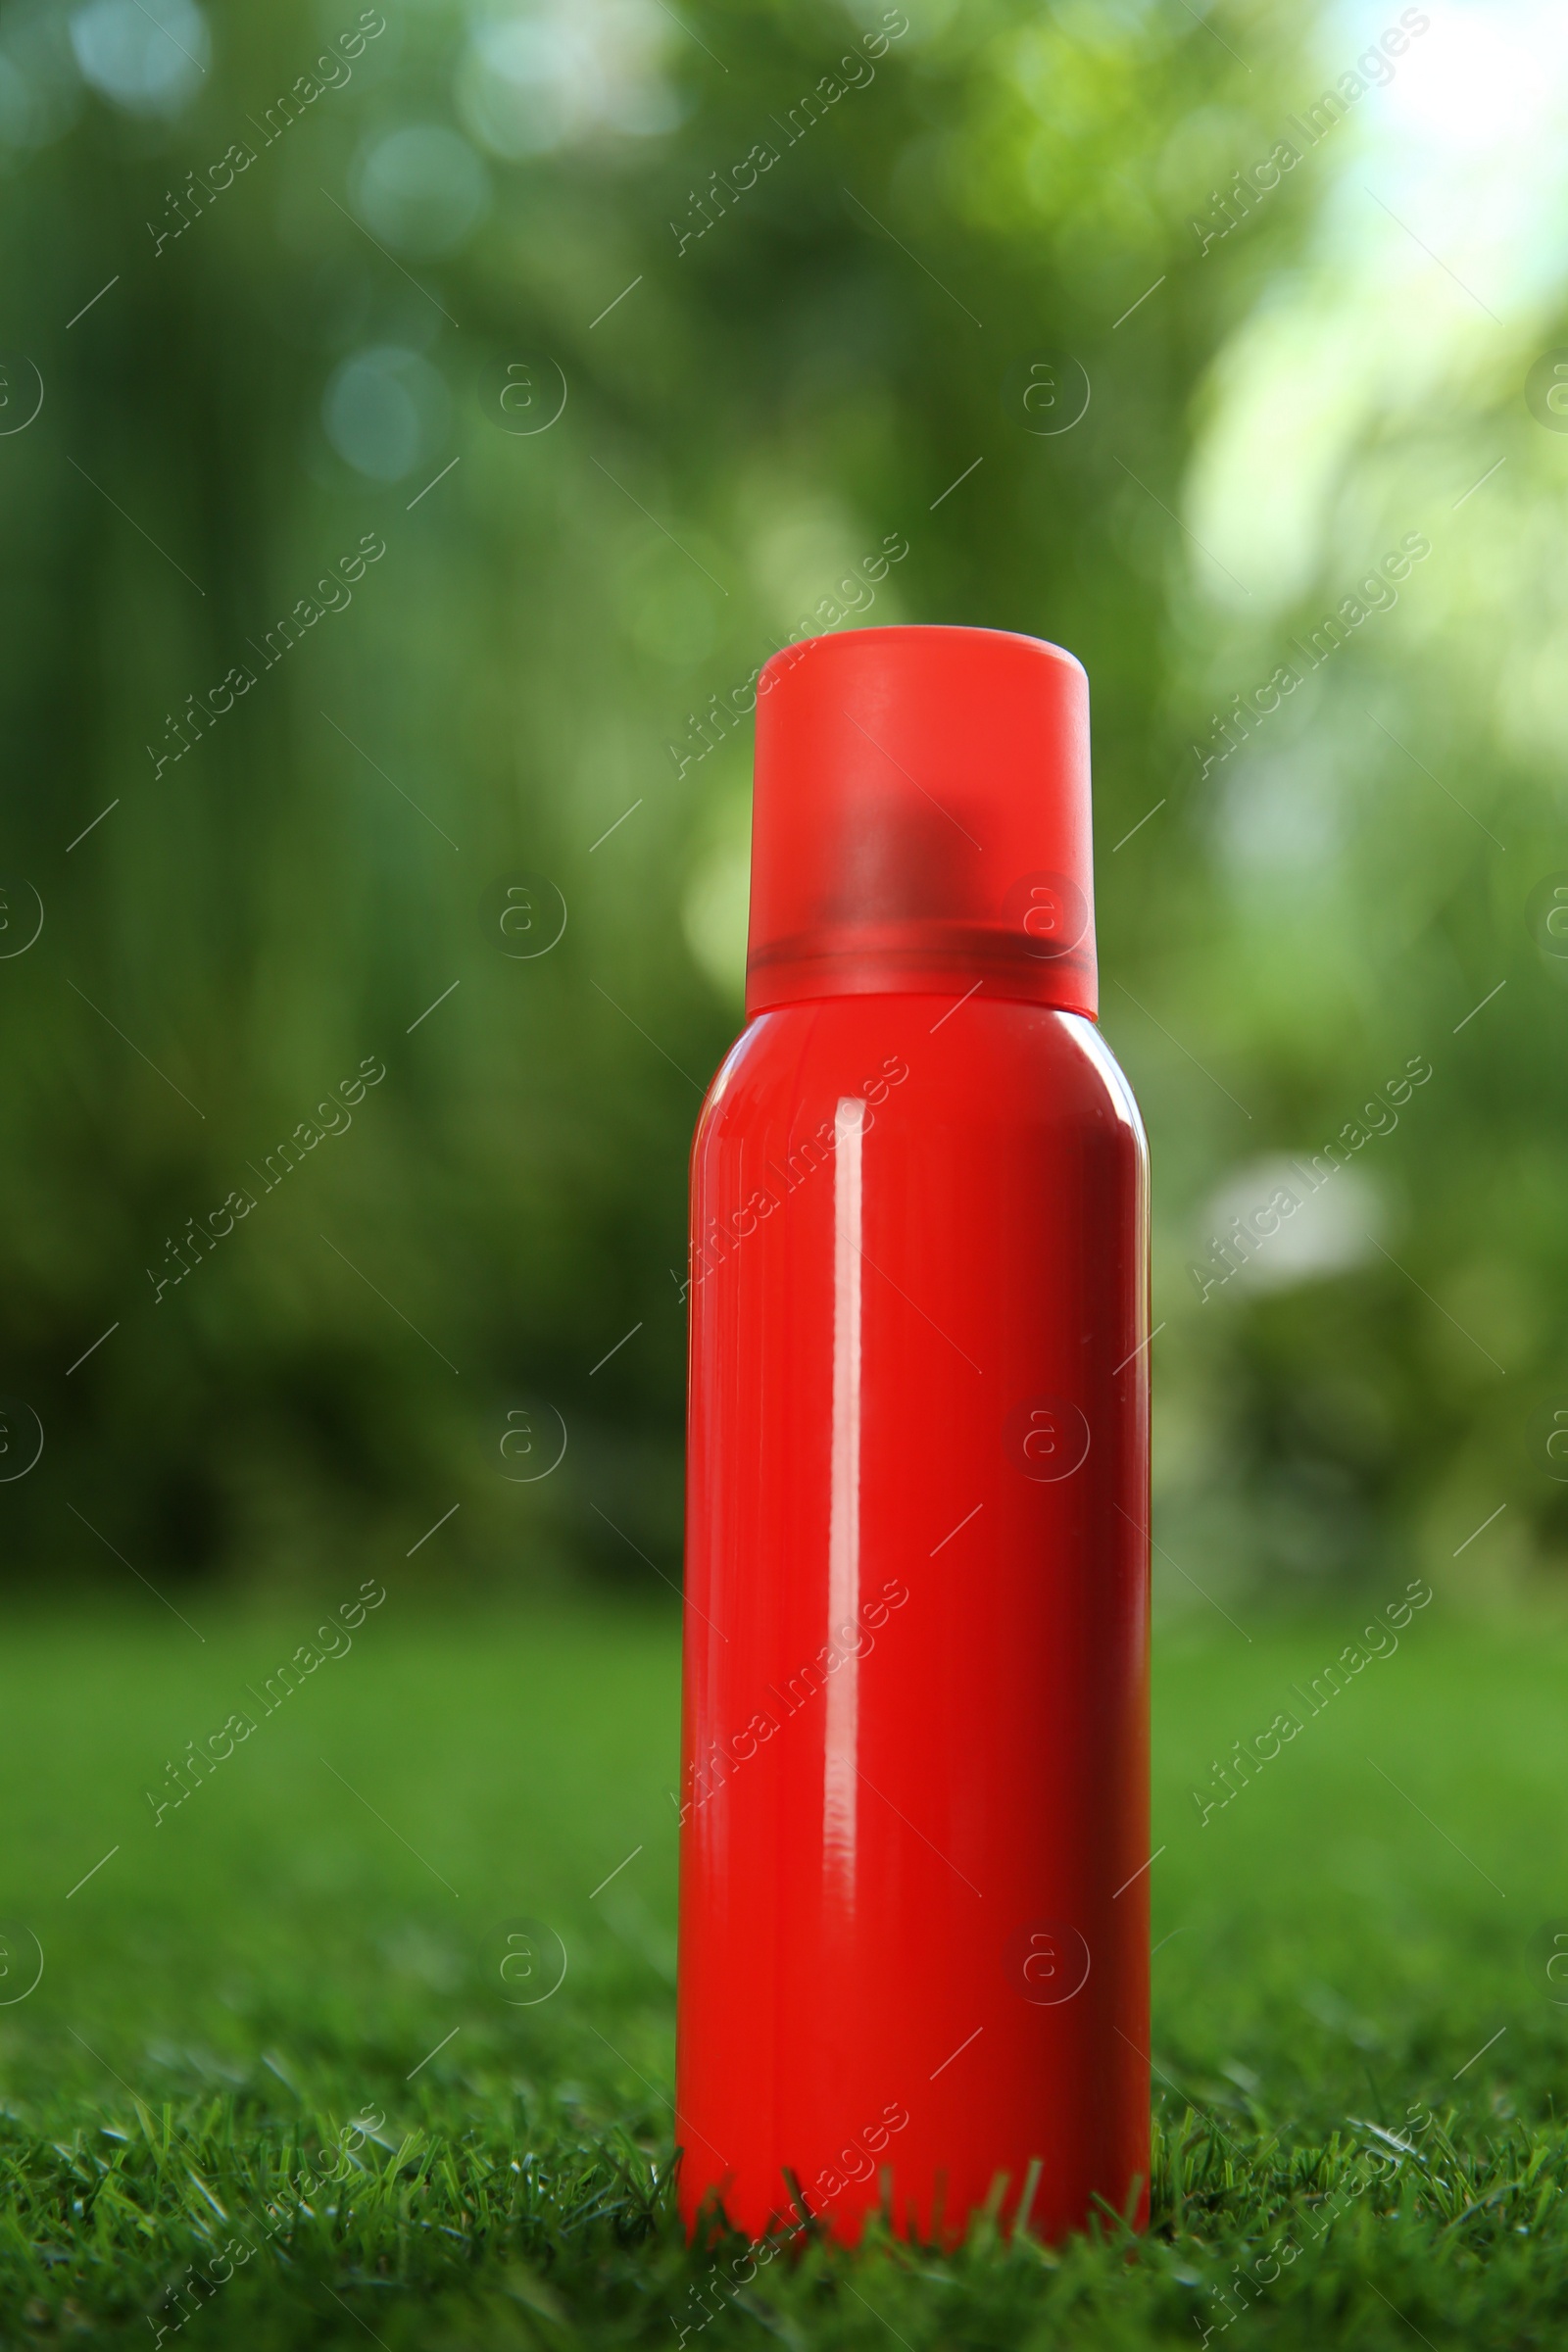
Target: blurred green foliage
pixel 361 337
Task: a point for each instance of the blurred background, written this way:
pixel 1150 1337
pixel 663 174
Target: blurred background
pixel 415 427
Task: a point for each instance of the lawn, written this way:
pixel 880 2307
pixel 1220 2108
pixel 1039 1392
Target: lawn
pixel 266 2090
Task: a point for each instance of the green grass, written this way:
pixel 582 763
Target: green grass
pixel 273 1960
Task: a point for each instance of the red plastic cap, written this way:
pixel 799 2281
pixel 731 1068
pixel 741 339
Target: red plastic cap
pixel 921 820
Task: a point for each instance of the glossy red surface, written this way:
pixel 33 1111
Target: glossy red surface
pixel 914 1941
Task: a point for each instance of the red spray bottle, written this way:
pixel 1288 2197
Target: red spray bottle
pixel 914 1908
